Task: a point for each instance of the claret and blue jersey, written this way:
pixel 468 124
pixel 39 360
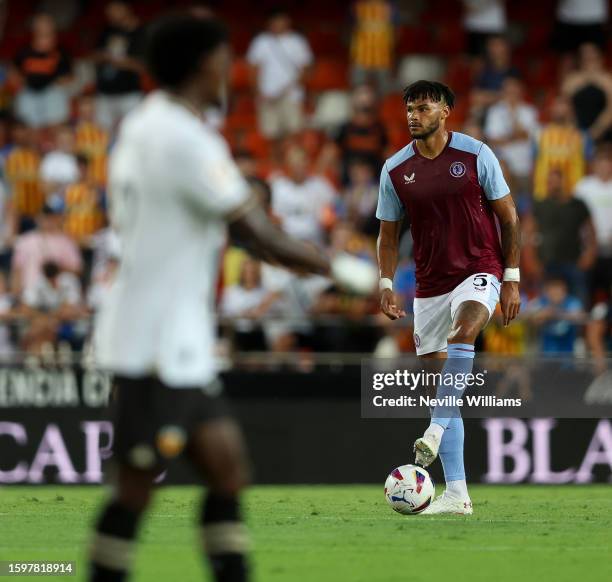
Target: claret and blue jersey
pixel 445 200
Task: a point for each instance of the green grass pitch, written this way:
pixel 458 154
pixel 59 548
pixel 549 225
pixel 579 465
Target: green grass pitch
pixel 340 534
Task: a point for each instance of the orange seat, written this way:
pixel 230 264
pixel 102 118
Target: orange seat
pixel 328 74
pixel 240 76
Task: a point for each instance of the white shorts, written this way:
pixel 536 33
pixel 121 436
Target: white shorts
pixel 433 316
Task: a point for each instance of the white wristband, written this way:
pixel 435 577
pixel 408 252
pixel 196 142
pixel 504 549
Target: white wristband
pixel 385 283
pixel 513 274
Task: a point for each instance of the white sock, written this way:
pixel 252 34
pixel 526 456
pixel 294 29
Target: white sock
pixel 457 489
pixel 435 430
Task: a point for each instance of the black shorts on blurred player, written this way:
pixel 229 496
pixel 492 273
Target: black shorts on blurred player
pixel 153 422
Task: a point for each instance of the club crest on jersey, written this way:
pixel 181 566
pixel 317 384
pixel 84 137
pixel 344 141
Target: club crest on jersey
pixel 457 169
pixel 409 179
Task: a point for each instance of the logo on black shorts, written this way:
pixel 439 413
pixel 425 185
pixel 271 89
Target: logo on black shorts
pixel 457 169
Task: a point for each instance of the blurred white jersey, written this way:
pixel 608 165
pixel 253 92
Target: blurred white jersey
pixel 173 185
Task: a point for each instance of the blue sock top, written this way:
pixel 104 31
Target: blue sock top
pixel 460 351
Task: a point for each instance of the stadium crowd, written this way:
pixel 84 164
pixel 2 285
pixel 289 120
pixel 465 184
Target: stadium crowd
pixel 311 116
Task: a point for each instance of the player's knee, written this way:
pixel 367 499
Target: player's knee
pixel 463 333
pixel 234 477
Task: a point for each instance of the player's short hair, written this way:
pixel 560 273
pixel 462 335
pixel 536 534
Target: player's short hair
pixel 433 90
pixel 176 44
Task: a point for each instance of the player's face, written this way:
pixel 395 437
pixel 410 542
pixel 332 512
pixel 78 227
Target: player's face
pixel 425 117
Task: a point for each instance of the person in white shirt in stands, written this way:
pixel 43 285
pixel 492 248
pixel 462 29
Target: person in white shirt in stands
pixel 247 303
pixel 510 128
pixel 595 191
pixel 280 58
pixel 59 167
pixel 173 190
pixel 300 199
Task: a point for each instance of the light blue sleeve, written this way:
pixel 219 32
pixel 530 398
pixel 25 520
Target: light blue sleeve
pixel 490 175
pixel 389 206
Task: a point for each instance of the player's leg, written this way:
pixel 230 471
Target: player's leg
pixel 113 544
pixel 135 404
pixel 217 450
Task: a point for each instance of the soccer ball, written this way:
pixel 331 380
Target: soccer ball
pixel 409 489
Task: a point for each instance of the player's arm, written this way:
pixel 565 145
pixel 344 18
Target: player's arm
pixel 251 227
pixel 387 250
pixel 505 210
pixel 390 212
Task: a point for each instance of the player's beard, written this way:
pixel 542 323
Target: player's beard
pixel 425 132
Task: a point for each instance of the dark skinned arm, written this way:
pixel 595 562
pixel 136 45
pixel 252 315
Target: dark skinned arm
pixel 251 227
pixel 387 251
pixel 505 210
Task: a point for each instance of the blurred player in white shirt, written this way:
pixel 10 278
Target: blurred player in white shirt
pixel 174 187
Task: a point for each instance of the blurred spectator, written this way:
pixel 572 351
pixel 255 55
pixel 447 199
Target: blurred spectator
pixel 372 44
pixel 357 204
pixel 59 167
pixel 363 136
pixel 599 333
pixel 510 127
pixel 280 58
pixel 45 243
pixel 83 204
pixel 8 228
pixel 43 68
pixel 564 237
pixel 560 145
pixel 91 139
pixel 6 315
pixel 118 67
pixel 301 200
pixel 497 68
pixel 52 303
pixel 22 172
pixel 247 303
pixel 596 192
pixel 580 21
pixel 557 315
pixel 590 90
pixel 482 19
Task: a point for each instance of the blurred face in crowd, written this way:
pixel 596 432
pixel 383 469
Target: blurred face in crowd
pixel 512 91
pixel 556 291
pixel 246 164
pixel 23 136
pixel 49 223
pixel 561 111
pixel 590 57
pixel 425 117
pixel 250 274
pixel 43 33
pixel 555 184
pixel 602 165
pixel 118 13
pixel 279 23
pixel 296 163
pixel 87 109
pixel 360 173
pixel 474 130
pixel 64 140
pixel 498 51
pixel 364 105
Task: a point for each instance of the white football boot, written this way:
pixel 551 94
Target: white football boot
pixel 449 504
pixel 426 449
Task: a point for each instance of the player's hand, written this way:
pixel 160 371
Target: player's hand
pixel 389 305
pixel 510 300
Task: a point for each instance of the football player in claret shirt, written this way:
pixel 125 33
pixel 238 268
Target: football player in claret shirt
pixel 450 188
